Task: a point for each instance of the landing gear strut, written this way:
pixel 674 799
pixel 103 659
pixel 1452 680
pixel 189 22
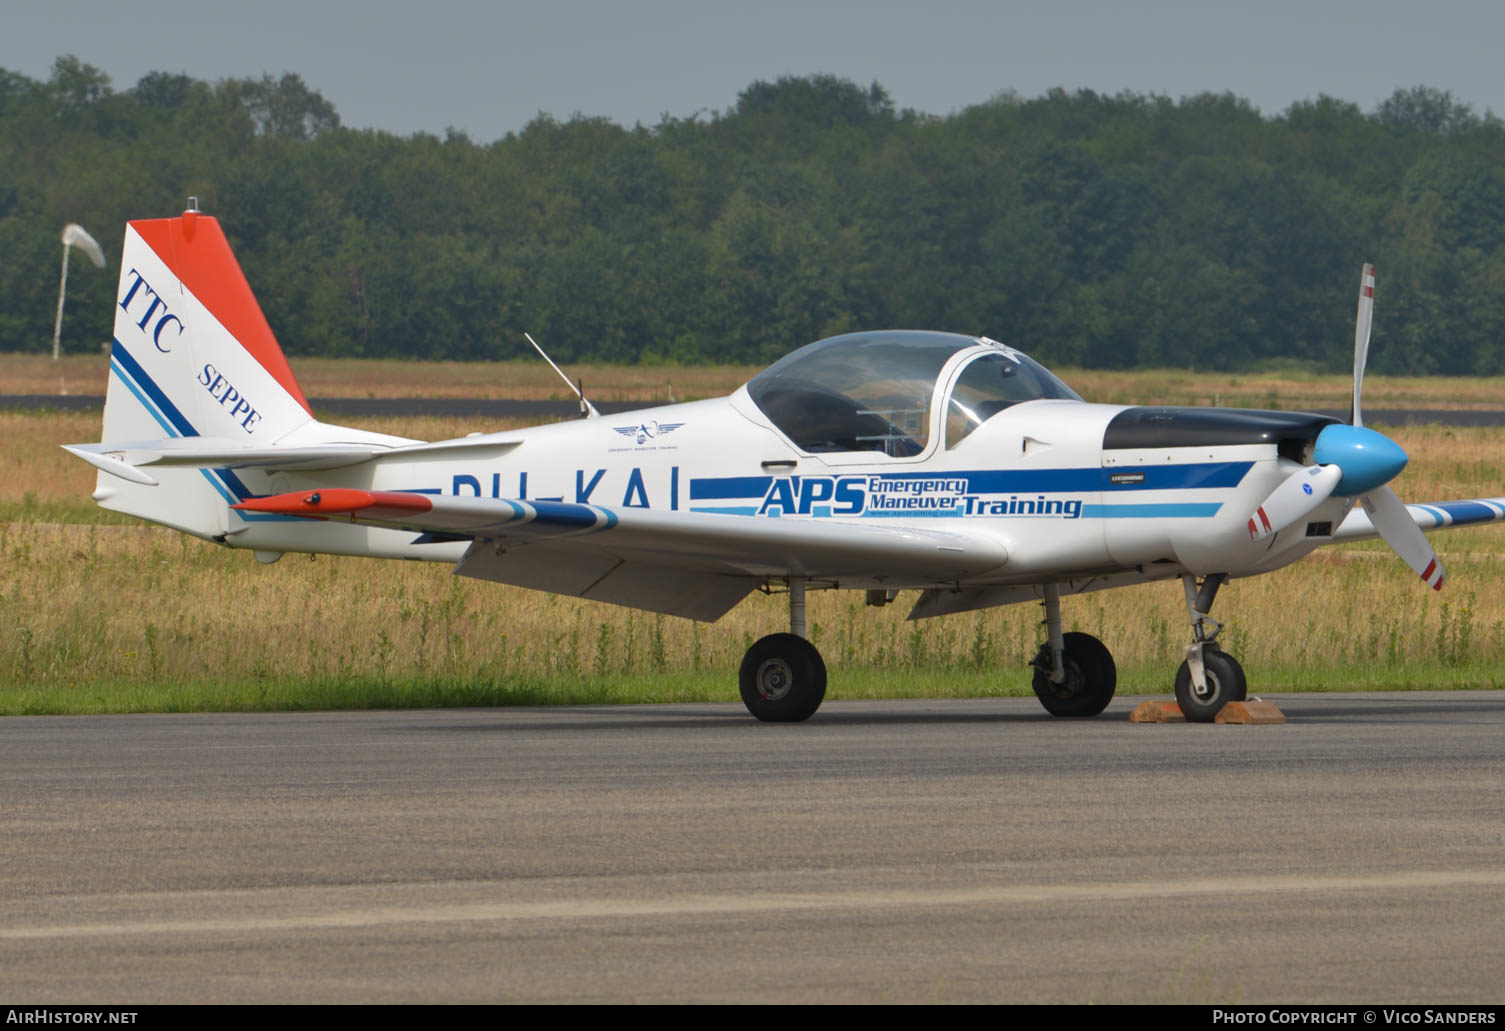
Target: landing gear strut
pixel 1210 678
pixel 1074 673
pixel 783 678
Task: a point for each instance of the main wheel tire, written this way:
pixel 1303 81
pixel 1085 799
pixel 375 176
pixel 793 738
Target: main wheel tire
pixel 1225 683
pixel 782 679
pixel 1091 677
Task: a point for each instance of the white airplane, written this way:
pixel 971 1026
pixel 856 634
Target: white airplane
pixel 883 461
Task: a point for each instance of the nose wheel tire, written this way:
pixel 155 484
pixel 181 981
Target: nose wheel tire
pixel 1225 683
pixel 1091 677
pixel 782 679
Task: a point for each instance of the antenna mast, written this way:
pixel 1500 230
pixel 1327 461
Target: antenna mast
pixel 587 409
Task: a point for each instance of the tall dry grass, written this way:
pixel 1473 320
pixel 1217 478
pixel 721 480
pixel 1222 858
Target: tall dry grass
pixel 530 378
pixel 526 378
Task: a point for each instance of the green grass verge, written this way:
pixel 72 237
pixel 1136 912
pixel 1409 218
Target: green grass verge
pixel 137 695
pixel 74 511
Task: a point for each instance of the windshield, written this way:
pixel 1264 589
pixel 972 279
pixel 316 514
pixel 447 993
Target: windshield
pixel 990 384
pixel 859 392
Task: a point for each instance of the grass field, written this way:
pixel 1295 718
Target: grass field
pixel 323 377
pixel 532 379
pixel 103 613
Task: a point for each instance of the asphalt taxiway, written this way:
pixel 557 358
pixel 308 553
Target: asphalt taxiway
pixel 885 851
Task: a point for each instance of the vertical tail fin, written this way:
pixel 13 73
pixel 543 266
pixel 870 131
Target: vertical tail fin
pixel 193 352
pixel 192 356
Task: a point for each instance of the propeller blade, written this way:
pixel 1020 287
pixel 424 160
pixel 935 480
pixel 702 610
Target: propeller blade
pixel 1388 515
pixel 1301 492
pixel 1361 340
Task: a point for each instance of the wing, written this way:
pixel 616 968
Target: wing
pixel 683 563
pixel 1436 515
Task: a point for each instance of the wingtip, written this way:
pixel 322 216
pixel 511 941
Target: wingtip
pixel 338 501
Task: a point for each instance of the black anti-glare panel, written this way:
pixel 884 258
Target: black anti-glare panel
pixel 1135 428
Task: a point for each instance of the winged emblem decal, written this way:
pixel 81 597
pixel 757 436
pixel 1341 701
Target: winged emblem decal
pixel 646 431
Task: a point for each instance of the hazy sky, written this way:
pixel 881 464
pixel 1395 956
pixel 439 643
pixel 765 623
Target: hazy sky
pixel 489 67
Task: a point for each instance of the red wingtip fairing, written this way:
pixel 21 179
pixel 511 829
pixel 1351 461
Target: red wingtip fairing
pixel 371 504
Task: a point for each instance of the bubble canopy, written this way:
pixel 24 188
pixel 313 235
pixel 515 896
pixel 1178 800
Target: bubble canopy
pixel 876 391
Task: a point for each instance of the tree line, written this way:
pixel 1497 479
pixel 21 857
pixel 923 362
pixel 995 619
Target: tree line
pixel 1089 230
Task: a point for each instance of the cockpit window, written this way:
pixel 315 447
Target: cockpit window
pixel 992 382
pixel 874 391
pixel 859 392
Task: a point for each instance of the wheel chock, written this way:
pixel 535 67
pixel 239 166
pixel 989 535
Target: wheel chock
pixel 1157 711
pixel 1255 712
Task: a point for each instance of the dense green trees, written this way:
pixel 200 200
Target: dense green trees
pixel 1086 229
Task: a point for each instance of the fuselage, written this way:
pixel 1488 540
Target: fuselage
pixel 1070 488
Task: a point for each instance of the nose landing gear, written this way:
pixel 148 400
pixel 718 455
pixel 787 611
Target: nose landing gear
pixel 1210 678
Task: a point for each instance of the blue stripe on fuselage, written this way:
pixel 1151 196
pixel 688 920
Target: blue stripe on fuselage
pixel 1151 511
pixel 1196 476
pixel 729 487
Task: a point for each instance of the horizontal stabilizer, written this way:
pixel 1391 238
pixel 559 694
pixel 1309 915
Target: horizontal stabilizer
pixel 218 453
pixel 124 459
pixel 107 458
pixel 484 446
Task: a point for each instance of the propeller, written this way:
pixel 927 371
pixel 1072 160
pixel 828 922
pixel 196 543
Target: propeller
pixel 1301 492
pixel 1352 461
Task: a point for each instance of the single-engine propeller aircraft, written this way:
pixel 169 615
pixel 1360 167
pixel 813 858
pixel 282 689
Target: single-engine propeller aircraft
pixel 881 461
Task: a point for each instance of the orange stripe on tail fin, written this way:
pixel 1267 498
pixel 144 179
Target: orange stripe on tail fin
pixel 194 247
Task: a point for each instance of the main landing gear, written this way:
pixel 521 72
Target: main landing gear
pixel 1210 678
pixel 1074 673
pixel 783 678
